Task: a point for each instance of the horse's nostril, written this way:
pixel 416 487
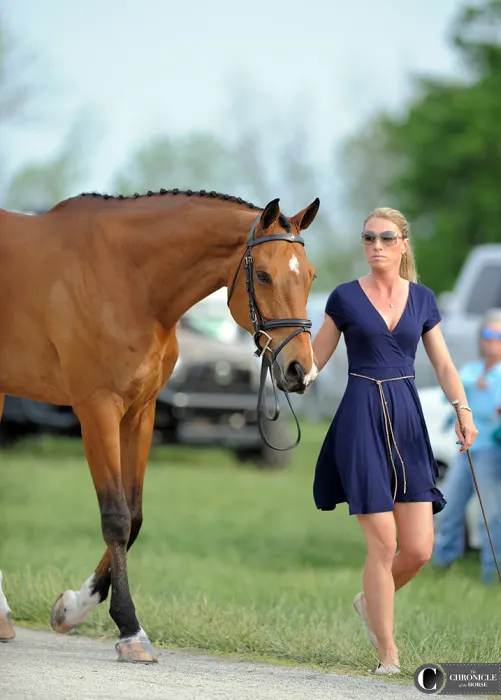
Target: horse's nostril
pixel 295 372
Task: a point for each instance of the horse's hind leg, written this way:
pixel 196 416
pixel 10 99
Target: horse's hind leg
pixel 72 607
pixel 6 629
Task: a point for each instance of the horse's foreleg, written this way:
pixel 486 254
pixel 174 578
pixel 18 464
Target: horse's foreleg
pixel 6 629
pixel 101 437
pixel 135 442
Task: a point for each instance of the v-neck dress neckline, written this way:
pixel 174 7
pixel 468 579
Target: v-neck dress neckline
pixel 407 302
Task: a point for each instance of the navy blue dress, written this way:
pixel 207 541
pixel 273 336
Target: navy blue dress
pixel 377 449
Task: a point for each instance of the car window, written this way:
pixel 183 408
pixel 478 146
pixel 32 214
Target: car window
pixel 316 310
pixel 486 292
pixel 212 318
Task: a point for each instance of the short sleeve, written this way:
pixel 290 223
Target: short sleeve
pixel 334 309
pixel 432 316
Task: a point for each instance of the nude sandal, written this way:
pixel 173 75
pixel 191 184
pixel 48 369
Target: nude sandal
pixel 386 670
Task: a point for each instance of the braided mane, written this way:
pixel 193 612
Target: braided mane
pixel 189 193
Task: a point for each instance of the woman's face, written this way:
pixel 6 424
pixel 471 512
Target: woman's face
pixel 383 244
pixel 490 341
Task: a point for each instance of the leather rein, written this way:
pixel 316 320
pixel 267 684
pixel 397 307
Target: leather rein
pixel 261 326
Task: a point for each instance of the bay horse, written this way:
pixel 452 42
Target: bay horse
pixel 91 293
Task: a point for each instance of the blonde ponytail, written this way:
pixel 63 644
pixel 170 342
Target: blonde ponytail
pixel 407 265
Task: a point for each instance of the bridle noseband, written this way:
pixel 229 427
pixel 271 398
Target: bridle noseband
pixel 261 326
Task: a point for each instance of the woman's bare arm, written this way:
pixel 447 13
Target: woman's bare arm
pixel 450 381
pixel 325 342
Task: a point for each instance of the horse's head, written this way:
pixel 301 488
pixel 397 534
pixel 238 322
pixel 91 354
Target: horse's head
pixel 269 290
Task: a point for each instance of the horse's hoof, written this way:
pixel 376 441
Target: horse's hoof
pixel 58 619
pixel 136 649
pixel 6 628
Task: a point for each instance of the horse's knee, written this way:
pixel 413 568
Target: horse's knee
pixel 115 522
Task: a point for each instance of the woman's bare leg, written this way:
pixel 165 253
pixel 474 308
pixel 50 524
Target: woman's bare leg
pixel 415 538
pixel 379 589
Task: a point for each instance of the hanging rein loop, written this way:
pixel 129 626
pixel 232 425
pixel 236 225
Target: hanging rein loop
pixel 261 326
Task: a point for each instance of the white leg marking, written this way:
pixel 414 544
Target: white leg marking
pixel 294 265
pixel 78 604
pixel 140 636
pixel 4 606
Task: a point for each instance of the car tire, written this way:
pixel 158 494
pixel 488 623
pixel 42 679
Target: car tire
pixel 10 434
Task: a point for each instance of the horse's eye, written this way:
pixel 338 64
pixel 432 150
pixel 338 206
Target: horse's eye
pixel 263 277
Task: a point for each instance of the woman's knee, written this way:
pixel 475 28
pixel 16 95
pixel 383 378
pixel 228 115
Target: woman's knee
pixel 417 555
pixel 383 550
pixel 380 536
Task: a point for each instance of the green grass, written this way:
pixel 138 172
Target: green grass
pixel 230 560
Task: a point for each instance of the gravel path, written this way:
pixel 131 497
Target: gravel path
pixel 46 666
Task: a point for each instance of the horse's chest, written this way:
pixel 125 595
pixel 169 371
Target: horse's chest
pixel 151 372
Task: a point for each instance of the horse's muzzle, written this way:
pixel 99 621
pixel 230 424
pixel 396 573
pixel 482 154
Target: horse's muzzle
pixel 293 379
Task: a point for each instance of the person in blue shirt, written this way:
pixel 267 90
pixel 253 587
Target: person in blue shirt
pixel 482 383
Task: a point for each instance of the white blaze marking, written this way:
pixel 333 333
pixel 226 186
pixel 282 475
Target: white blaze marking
pixel 294 265
pixel 79 603
pixel 4 606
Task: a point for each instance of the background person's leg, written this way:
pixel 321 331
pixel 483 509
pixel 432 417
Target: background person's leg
pixel 457 489
pixel 487 465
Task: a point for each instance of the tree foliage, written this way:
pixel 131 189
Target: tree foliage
pixel 38 186
pixel 440 161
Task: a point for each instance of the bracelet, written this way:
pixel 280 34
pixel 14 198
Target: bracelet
pixel 466 408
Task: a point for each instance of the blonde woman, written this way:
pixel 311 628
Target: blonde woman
pixel 376 455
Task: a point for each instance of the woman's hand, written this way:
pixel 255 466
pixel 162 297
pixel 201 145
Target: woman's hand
pixel 467 433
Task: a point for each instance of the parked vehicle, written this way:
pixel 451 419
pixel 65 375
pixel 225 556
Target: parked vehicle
pixel 476 290
pixel 210 399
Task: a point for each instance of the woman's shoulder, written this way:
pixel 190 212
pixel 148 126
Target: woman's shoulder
pixel 339 305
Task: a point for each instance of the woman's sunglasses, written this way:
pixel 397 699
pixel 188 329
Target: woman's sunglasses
pixel 387 238
pixel 489 334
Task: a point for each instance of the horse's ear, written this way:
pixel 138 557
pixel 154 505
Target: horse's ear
pixel 306 216
pixel 270 214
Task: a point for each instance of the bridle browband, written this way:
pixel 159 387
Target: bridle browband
pixel 261 326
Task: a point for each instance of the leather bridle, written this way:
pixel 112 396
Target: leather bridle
pixel 261 326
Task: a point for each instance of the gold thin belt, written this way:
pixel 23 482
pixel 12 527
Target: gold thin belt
pixel 387 424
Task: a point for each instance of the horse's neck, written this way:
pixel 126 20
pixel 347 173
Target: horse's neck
pixel 186 257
